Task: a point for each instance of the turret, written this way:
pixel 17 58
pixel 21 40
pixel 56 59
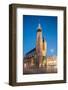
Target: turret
pixel 44 51
pixel 44 47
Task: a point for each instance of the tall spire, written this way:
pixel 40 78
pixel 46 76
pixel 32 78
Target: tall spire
pixel 39 27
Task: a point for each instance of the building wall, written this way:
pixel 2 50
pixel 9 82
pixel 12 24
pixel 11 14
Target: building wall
pixel 29 62
pixel 51 64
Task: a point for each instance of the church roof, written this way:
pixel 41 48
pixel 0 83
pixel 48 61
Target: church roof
pixel 31 51
pixel 29 54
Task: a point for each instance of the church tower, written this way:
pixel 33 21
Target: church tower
pixel 44 47
pixel 44 52
pixel 39 43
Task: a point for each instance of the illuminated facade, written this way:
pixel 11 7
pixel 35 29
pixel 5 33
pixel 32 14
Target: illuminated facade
pixel 51 64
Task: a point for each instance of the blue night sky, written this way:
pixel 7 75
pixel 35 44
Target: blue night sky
pixel 49 32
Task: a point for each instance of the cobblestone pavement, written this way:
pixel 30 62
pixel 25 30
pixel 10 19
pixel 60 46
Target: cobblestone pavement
pixel 39 70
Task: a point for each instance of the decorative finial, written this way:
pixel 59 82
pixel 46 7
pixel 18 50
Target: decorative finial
pixel 39 26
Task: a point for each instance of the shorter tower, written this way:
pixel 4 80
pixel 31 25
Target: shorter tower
pixel 44 47
pixel 44 52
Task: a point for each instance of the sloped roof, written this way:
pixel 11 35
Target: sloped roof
pixel 31 51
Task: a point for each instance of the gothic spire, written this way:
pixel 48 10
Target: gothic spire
pixel 39 27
